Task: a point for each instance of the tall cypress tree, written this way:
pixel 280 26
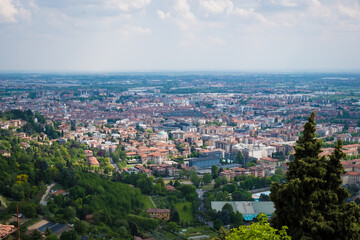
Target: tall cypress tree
pixel 311 202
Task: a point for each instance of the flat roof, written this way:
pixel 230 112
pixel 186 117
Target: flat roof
pixel 207 158
pixel 246 207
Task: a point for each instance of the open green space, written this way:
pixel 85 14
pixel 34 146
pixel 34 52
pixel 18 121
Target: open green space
pixel 167 181
pixel 163 234
pixel 208 187
pixel 185 215
pixel 130 165
pixel 147 202
pixel 197 231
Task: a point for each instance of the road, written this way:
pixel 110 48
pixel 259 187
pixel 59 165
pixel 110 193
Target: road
pixel 2 202
pixel 42 201
pixel 152 202
pixel 200 193
pixel 114 165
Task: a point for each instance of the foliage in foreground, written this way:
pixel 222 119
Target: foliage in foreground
pixel 259 230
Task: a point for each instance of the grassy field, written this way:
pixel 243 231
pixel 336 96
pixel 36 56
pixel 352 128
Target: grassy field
pixel 208 187
pixel 197 231
pixel 166 181
pixel 147 202
pixel 187 215
pixel 182 181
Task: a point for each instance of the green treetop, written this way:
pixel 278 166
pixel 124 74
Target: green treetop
pixel 259 230
pixel 311 202
pixel 239 157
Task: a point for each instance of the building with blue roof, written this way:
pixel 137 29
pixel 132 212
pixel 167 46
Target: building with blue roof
pixel 249 209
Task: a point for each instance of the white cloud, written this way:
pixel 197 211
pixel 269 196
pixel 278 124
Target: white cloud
pixel 351 12
pixel 217 6
pixel 7 11
pixel 200 30
pixel 128 5
pixel 182 8
pixel 217 40
pixel 184 17
pixel 12 10
pixel 285 3
pixel 252 15
pixel 163 15
pixel 129 31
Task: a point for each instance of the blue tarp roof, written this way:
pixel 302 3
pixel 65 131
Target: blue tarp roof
pixel 250 217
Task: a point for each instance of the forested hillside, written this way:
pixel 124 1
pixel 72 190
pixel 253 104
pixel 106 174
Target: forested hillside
pixel 28 165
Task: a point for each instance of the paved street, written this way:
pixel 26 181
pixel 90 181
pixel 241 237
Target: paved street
pixel 43 198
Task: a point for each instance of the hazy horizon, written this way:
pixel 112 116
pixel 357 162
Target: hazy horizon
pixel 210 72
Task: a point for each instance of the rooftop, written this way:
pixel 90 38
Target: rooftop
pixel 157 210
pixel 6 230
pixel 246 207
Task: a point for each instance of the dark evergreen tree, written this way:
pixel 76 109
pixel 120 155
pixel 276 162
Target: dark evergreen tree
pixel 47 231
pixel 228 207
pixel 36 235
pixel 264 198
pixel 69 235
pixel 207 178
pixel 52 237
pixel 134 228
pixel 176 183
pixel 311 202
pixel 218 223
pixel 236 219
pixel 214 171
pixel 239 157
pixel 174 215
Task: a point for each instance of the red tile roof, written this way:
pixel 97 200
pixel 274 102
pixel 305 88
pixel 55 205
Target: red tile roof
pixel 6 230
pixel 58 192
pixel 269 159
pixel 352 173
pixel 157 210
pixel 93 161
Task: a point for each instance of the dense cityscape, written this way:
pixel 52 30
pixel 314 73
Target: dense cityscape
pixel 164 155
pixel 180 119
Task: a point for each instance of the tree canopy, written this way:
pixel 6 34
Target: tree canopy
pixel 239 157
pixel 312 202
pixel 258 230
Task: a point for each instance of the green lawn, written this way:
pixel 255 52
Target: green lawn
pixel 130 165
pixel 196 231
pixel 208 187
pixel 147 202
pixel 166 181
pixel 187 215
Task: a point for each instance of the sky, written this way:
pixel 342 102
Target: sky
pixel 179 35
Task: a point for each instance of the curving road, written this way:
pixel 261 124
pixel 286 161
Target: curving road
pixel 42 201
pixel 152 201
